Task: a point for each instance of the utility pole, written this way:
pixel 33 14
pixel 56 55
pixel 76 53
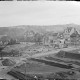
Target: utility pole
pixel 25 69
pixel 1 48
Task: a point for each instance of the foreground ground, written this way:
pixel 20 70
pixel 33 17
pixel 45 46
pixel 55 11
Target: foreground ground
pixel 32 66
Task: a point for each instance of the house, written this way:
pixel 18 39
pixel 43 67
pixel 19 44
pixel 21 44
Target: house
pixel 70 32
pixel 60 35
pixel 5 39
pixel 54 40
pixel 46 40
pixel 75 34
pixel 49 39
pixel 30 33
pixel 62 43
pixel 67 32
pixel 74 37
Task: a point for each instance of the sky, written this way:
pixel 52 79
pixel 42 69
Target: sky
pixel 39 13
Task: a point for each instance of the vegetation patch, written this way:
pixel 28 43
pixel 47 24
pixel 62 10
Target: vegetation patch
pixel 8 62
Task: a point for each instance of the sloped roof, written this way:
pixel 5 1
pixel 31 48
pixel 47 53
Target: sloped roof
pixel 75 34
pixel 60 35
pixel 68 29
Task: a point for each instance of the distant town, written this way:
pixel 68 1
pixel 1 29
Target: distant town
pixel 70 36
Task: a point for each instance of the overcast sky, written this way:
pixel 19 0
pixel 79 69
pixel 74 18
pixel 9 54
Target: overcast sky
pixel 39 13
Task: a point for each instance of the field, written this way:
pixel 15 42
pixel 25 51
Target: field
pixel 69 58
pixel 37 67
pixel 62 60
pixel 39 63
pixel 23 48
pixel 44 68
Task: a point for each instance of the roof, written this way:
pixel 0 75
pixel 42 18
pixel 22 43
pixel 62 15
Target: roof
pixel 60 35
pixel 69 29
pixel 75 34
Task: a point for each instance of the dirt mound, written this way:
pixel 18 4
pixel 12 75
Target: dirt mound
pixel 61 54
pixel 8 62
pixel 71 55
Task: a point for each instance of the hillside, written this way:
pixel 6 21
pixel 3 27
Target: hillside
pixel 18 32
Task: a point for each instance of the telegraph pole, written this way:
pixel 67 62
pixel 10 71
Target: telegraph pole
pixel 1 48
pixel 25 69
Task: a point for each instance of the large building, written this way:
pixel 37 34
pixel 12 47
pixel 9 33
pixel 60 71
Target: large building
pixel 62 38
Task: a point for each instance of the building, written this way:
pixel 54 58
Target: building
pixel 67 32
pixel 29 33
pixel 49 39
pixel 60 35
pixel 62 39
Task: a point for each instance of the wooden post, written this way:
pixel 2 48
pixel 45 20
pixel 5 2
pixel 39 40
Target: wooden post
pixel 1 52
pixel 1 48
pixel 25 69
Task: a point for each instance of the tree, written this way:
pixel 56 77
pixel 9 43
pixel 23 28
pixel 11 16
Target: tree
pixel 38 38
pixel 12 41
pixel 15 53
pixel 4 39
pixel 75 37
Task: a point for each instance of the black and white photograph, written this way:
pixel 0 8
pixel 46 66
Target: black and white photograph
pixel 40 40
